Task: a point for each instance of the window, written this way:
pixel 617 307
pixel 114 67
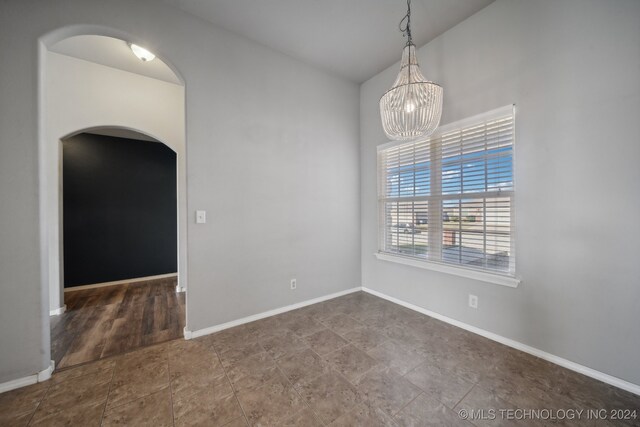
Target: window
pixel 449 198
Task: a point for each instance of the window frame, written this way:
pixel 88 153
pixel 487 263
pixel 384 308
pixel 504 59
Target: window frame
pixel 506 278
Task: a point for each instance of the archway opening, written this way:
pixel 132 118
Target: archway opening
pixel 93 88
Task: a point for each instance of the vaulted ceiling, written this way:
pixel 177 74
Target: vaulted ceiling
pixel 355 39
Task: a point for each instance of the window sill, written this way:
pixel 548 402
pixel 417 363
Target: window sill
pixel 497 279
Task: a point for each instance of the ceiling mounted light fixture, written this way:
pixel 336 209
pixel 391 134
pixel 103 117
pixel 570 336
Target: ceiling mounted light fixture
pixel 413 106
pixel 142 53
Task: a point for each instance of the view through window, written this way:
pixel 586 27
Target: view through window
pixel 449 198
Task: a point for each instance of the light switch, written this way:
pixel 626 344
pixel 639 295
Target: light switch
pixel 201 217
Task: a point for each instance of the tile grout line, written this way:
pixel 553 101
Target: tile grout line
pixel 304 401
pixel 173 417
pixel 233 389
pixel 291 386
pixel 350 342
pixel 463 397
pixel 277 366
pixel 104 409
pixel 408 403
pixel 126 402
pixel 113 356
pixel 44 396
pixel 429 393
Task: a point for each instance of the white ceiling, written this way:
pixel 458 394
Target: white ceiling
pixel 113 53
pixel 355 39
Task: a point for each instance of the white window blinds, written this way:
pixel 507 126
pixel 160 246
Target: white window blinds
pixel 449 198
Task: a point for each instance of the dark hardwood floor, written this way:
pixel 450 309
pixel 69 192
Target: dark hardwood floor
pixel 103 322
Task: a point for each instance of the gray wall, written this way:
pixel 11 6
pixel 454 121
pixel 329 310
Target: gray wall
pixel 272 155
pixel 573 69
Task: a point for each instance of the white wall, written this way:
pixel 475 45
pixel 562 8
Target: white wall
pixel 272 155
pixel 572 68
pixel 80 95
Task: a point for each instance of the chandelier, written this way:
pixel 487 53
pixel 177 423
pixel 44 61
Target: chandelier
pixel 413 106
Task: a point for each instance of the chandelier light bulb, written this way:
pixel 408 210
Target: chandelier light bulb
pixel 409 104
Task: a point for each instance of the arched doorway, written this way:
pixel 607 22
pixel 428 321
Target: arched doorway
pixel 80 94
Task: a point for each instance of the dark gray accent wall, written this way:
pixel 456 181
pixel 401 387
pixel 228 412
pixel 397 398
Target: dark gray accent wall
pixel 120 209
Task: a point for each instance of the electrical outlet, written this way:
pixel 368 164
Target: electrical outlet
pixel 473 301
pixel 293 283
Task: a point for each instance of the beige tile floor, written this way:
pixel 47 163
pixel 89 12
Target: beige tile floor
pixel 352 361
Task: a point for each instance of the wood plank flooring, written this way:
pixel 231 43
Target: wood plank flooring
pixel 112 320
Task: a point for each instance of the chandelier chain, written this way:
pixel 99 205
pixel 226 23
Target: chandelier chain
pixel 405 24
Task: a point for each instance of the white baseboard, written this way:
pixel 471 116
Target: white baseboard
pixel 46 373
pixel 31 379
pixel 601 376
pixel 187 334
pixel 20 382
pixel 213 329
pixel 120 282
pixel 58 311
